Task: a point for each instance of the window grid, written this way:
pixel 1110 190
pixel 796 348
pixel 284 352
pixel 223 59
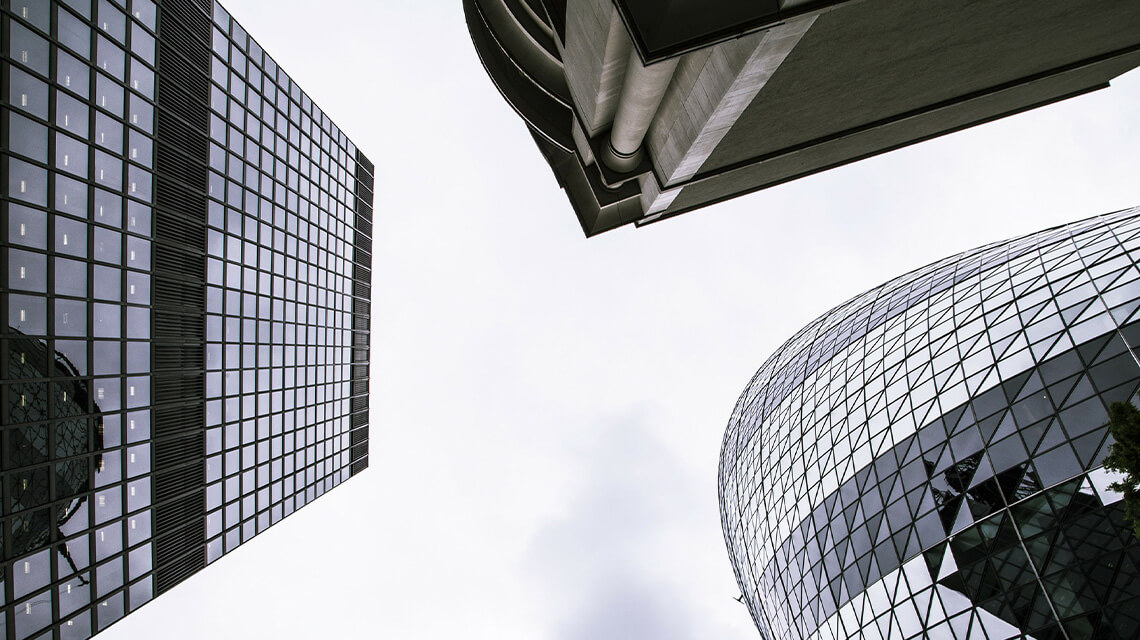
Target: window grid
pixel 79 117
pixel 279 294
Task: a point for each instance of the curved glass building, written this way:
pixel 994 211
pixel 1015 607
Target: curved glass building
pixel 925 460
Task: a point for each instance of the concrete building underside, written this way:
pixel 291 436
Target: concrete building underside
pixel 646 110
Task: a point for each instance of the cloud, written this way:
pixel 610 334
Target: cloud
pixel 606 566
pixel 633 610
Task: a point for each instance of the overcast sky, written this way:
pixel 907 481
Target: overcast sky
pixel 547 410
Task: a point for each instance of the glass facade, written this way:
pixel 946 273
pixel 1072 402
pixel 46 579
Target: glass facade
pixel 925 460
pixel 279 293
pixel 186 250
pixel 79 130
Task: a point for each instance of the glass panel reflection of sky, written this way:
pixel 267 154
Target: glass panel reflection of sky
pixel 278 328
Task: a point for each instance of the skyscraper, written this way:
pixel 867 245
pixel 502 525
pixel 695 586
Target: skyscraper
pixel 187 251
pixel 646 109
pixel 925 460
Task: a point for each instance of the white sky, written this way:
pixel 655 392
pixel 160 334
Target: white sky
pixel 547 410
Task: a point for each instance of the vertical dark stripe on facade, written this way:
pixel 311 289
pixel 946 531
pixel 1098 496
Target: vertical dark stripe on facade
pixel 361 298
pixel 182 149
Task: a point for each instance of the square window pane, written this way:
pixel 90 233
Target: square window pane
pixel 70 277
pixel 70 237
pixel 27 137
pixel 27 271
pixel 36 12
pixel 71 114
pixel 27 93
pixel 26 226
pixel 107 283
pixel 28 48
pixel 74 33
pixel 70 196
pixel 70 155
pixel 108 94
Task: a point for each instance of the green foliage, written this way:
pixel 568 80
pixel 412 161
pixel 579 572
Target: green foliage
pixel 1124 456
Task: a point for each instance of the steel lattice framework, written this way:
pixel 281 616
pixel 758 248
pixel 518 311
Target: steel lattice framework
pixel 925 460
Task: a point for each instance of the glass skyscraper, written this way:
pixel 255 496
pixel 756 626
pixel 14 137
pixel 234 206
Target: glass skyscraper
pixel 926 459
pixel 187 259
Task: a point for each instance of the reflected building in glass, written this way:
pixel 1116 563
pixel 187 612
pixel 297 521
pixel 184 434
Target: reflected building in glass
pixel 185 303
pixel 925 460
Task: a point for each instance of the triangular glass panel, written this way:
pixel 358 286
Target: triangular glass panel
pixel 1006 427
pixel 1029 314
pixel 934 557
pixel 987 529
pixel 1017 350
pixel 1033 433
pixel 949 512
pixel 1060 390
pixel 1092 348
pixel 948 565
pixel 959 475
pixel 1087 489
pixel 982 473
pixel 1087 446
pixel 1083 626
pixel 1012 387
pixel 1096 309
pixel 961 624
pixel 1107 279
pixel 1009 480
pixel 973 345
pixel 981 507
pixel 1034 517
pixel 913 546
pixel 921 602
pixel 908 451
pixel 1053 436
pixel 1063 345
pixel 1060 368
pixel 963 520
pixel 1032 387
pixel 1070 314
pixel 1061 496
pixel 1123 393
pixel 950 417
pixel 1124 312
pixel 942 379
pixel 861 477
pixel 966 420
pixel 849 515
pixel 1125 580
pixel 1042 348
pixel 988 426
pixel 1114 347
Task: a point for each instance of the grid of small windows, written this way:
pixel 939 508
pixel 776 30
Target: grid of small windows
pixel 925 460
pixel 279 294
pixel 77 119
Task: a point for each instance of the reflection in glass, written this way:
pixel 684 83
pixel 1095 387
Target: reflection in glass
pixel 73 33
pixel 72 74
pixel 77 429
pixel 27 93
pixel 27 138
pixel 70 196
pixel 27 226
